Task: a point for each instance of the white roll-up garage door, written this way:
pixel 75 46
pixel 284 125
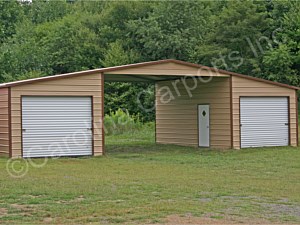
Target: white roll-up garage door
pixel 56 126
pixel 264 121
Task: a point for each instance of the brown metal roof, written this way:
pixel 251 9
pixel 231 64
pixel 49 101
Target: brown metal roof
pixel 136 65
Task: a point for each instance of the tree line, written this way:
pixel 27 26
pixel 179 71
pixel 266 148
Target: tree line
pixel 47 37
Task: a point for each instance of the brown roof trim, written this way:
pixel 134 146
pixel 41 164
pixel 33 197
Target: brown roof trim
pixel 53 77
pixel 109 69
pixel 136 65
pixel 85 72
pixel 260 79
pixel 235 74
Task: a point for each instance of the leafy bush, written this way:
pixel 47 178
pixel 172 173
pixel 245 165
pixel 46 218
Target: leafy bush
pixel 120 122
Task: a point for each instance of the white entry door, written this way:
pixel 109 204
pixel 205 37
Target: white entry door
pixel 264 121
pixel 56 126
pixel 203 120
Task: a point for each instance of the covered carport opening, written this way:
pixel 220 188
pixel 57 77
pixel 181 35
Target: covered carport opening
pixel 191 89
pixel 145 88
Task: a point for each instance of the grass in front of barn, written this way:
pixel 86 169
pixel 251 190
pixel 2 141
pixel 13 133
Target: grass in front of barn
pixel 140 182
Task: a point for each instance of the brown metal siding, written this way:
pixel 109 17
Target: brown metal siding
pixel 4 122
pixel 85 85
pixel 247 87
pixel 176 121
pixel 167 68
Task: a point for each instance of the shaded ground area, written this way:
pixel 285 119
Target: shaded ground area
pixel 139 182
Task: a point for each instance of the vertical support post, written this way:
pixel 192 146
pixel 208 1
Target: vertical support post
pixel 155 89
pixel 9 123
pixel 297 118
pixel 231 111
pixel 102 113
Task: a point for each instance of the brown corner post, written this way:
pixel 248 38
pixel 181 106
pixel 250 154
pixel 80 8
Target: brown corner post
pixel 93 127
pixel 289 120
pixel 102 109
pixel 9 123
pixel 297 118
pixel 155 89
pixel 231 111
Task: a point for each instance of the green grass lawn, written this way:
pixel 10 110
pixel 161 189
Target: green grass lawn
pixel 141 182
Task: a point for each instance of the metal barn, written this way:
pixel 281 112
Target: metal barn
pixel 198 106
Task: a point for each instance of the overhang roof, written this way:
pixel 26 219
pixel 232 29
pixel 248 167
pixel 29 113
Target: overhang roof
pixel 150 72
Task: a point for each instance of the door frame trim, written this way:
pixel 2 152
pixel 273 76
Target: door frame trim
pixel 198 127
pixel 277 96
pixel 21 118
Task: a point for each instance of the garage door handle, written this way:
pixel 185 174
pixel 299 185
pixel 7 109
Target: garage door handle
pixel 286 124
pixel 23 130
pixel 89 129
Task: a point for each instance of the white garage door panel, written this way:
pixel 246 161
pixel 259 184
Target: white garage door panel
pixel 56 126
pixel 264 121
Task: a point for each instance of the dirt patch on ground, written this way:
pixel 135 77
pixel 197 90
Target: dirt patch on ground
pixel 47 220
pixel 72 201
pixel 3 211
pixel 26 210
pixel 283 209
pixel 176 219
pixel 33 196
pixel 79 199
pixel 21 207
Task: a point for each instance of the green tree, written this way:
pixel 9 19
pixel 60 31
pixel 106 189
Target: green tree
pixel 50 48
pixel 282 61
pixel 117 55
pixel 170 31
pixel 23 55
pixel 11 13
pixel 41 11
pixel 232 41
pixel 70 45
